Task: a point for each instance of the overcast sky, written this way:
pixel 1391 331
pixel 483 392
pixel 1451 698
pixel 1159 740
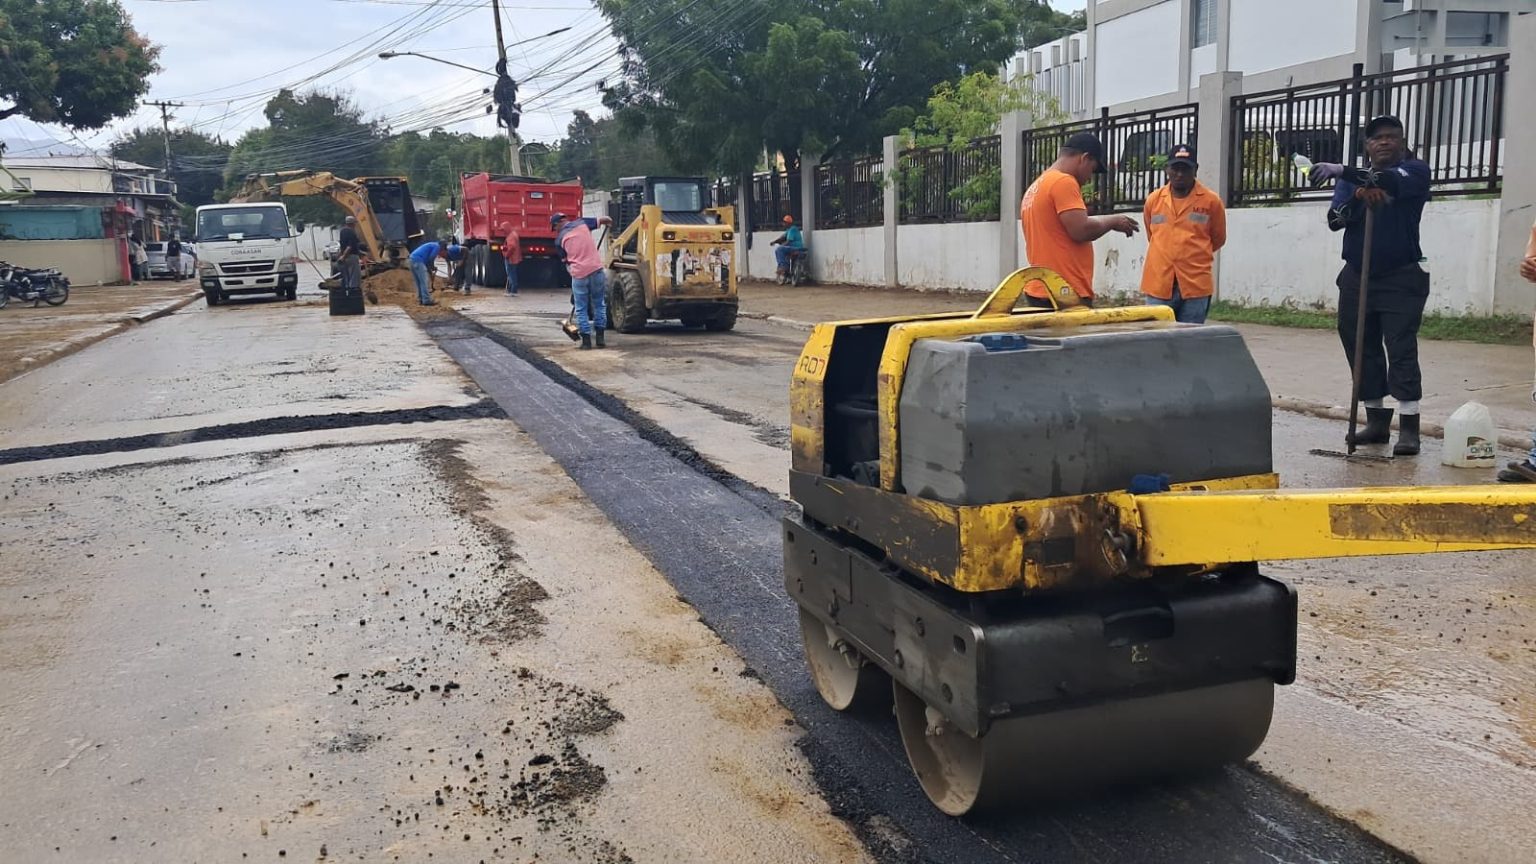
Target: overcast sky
pixel 225 58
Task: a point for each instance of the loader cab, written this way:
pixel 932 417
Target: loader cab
pixel 390 199
pixel 682 201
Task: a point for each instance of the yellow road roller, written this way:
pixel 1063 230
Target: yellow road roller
pixel 1039 532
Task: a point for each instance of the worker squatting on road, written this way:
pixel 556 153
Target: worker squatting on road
pixel 1186 226
pixel 424 263
pixel 1058 232
pixel 512 253
pixel 589 282
pixel 349 256
pixel 1525 470
pixel 1396 187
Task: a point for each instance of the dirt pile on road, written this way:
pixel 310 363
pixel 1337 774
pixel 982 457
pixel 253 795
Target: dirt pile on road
pixel 398 287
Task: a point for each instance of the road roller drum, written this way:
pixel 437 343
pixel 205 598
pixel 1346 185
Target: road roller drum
pixel 1036 535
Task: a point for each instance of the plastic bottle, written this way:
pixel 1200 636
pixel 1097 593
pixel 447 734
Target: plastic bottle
pixel 1471 441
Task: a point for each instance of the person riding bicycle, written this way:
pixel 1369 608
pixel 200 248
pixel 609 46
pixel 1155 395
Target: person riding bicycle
pixel 790 243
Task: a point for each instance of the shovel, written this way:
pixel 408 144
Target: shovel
pixel 1354 392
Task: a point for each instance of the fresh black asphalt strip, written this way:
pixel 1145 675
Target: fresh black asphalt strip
pixel 718 544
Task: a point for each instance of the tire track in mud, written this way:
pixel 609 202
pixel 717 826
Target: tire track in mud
pixel 716 540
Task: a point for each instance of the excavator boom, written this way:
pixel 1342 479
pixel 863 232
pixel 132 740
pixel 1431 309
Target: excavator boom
pixel 350 195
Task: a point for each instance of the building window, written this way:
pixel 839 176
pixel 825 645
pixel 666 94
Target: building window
pixel 21 184
pixel 1202 23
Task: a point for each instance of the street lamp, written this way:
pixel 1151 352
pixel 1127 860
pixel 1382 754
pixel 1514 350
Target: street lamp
pixel 386 55
pixel 506 88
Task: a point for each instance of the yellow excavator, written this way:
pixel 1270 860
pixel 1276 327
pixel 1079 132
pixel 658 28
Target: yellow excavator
pixel 1042 534
pixel 386 221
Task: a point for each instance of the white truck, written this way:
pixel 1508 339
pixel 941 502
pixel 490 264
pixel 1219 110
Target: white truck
pixel 246 249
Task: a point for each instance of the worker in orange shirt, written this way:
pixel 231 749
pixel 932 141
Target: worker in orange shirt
pixel 1058 232
pixel 512 252
pixel 1186 225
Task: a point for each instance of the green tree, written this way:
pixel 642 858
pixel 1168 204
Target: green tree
pixel 718 80
pixel 198 160
pixel 78 63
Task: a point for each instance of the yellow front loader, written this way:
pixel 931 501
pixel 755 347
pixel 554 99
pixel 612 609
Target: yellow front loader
pixel 674 256
pixel 1041 533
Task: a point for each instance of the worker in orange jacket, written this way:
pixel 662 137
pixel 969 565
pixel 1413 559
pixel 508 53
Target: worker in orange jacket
pixel 1186 225
pixel 512 253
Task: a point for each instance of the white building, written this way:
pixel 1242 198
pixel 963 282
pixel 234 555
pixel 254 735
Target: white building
pixel 1143 54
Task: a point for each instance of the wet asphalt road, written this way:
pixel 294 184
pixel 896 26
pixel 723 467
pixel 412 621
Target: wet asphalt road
pixel 722 552
pixel 1413 714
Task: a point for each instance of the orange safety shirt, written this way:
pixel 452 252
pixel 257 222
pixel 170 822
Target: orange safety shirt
pixel 1046 241
pixel 1183 235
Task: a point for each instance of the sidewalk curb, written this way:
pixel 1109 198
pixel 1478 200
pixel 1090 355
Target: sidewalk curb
pixel 167 309
pixel 1283 403
pixel 121 326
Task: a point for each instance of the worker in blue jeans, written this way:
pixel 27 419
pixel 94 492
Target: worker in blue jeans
pixel 424 263
pixel 589 281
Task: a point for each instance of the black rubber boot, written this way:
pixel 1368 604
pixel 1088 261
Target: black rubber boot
pixel 1407 436
pixel 599 334
pixel 586 341
pixel 1378 428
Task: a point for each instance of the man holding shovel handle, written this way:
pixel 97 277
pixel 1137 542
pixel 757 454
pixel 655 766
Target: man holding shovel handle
pixel 1382 287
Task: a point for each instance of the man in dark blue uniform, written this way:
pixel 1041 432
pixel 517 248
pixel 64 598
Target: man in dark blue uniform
pixel 1396 187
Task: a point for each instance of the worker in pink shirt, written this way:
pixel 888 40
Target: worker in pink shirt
pixel 589 282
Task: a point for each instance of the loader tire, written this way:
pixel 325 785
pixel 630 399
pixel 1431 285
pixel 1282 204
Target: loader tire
pixel 626 301
pixel 722 320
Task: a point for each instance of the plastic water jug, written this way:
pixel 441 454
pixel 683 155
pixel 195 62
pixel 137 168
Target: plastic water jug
pixel 1471 441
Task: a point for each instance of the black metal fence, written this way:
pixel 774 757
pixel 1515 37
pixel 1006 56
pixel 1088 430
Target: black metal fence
pixel 1136 145
pixel 943 184
pixel 851 193
pixel 1452 113
pixel 723 193
pixel 771 199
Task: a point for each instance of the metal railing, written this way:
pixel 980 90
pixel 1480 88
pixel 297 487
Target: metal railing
pixel 851 193
pixel 1136 145
pixel 944 184
pixel 771 199
pixel 723 193
pixel 1452 114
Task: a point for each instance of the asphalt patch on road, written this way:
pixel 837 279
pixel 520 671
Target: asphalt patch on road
pixel 480 410
pixel 647 429
pixel 721 550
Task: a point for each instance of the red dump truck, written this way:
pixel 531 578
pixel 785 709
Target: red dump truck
pixel 525 203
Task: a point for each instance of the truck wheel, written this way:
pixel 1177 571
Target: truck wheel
pixel 472 274
pixel 722 320
pixel 626 302
pixel 495 268
pixel 213 297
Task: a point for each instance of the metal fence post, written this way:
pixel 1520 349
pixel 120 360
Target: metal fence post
pixel 1517 206
pixel 891 204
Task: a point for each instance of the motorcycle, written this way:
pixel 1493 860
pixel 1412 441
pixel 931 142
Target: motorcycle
pixel 48 286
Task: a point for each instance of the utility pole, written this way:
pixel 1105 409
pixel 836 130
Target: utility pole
pixel 506 93
pixel 165 124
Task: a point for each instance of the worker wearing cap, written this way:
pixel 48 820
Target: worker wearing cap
pixel 1058 232
pixel 787 244
pixel 424 266
pixel 589 281
pixel 512 253
pixel 1524 471
pixel 349 256
pixel 1186 225
pixel 1396 187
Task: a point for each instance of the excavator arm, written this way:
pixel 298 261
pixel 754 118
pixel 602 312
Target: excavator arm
pixel 351 196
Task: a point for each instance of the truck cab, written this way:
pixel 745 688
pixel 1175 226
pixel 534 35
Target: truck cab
pixel 246 249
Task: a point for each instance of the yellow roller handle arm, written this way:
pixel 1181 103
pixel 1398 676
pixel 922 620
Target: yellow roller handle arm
pixel 1202 528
